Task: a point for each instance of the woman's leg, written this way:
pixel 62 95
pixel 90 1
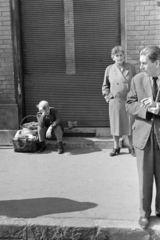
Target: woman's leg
pixel 116 149
pixel 130 141
pixel 131 148
pixel 116 142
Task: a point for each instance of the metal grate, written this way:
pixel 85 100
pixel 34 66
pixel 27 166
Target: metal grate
pixel 96 31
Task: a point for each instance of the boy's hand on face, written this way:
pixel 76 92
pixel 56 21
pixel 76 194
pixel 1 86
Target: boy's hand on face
pixel 43 113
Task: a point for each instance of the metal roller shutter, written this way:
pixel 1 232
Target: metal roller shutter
pixel 77 96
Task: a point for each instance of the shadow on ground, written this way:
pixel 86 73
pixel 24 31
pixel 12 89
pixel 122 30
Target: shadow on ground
pixel 31 208
pixel 79 151
pixel 70 150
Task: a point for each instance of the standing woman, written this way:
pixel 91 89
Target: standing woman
pixel 116 85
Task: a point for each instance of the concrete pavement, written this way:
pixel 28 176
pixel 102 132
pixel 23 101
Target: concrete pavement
pixel 82 194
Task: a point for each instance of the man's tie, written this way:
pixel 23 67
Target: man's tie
pixel 155 87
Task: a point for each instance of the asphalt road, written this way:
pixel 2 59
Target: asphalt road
pixel 81 183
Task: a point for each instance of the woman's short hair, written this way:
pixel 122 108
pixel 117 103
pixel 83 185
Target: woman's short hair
pixel 116 50
pixel 42 105
pixel 152 52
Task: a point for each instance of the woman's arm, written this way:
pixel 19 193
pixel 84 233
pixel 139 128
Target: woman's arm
pixel 106 86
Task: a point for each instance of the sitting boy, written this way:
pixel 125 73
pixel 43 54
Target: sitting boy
pixel 49 123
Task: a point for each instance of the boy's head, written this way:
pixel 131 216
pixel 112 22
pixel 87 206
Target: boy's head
pixel 43 106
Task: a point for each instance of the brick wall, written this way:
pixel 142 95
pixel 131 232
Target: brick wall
pixel 142 27
pixel 7 91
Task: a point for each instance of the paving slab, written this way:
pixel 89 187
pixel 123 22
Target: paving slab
pixel 81 194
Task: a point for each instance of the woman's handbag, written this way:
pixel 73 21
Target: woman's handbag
pixel 26 139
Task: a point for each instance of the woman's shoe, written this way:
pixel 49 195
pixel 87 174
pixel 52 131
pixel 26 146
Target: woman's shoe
pixel 115 152
pixel 132 151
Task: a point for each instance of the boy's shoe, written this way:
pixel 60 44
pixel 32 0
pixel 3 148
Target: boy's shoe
pixel 42 147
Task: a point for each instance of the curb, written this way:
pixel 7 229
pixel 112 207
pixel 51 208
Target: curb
pixel 76 229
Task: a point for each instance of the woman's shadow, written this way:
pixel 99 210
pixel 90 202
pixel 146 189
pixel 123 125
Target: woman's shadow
pixel 32 208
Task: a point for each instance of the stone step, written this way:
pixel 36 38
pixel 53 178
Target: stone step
pixel 92 131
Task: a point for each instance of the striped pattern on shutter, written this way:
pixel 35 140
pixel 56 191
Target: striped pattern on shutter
pixel 96 30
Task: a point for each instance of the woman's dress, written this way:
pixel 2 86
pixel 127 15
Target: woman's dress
pixel 115 88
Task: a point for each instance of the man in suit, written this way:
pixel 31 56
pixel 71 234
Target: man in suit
pixel 143 101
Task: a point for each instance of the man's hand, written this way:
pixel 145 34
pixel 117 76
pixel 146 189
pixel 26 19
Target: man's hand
pixel 148 102
pixel 152 106
pixel 153 110
pixel 49 132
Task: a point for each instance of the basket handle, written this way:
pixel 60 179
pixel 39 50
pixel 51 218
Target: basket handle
pixel 25 118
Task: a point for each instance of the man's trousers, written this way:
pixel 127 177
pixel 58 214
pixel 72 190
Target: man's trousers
pixel 148 164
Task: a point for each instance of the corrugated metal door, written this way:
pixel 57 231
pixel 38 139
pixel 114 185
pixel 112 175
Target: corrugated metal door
pixel 77 95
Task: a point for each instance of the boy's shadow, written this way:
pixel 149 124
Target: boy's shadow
pixel 72 150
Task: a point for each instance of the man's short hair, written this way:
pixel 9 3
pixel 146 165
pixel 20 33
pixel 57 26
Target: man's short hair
pixel 152 52
pixel 42 105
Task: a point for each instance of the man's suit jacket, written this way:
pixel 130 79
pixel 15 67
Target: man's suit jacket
pixel 141 88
